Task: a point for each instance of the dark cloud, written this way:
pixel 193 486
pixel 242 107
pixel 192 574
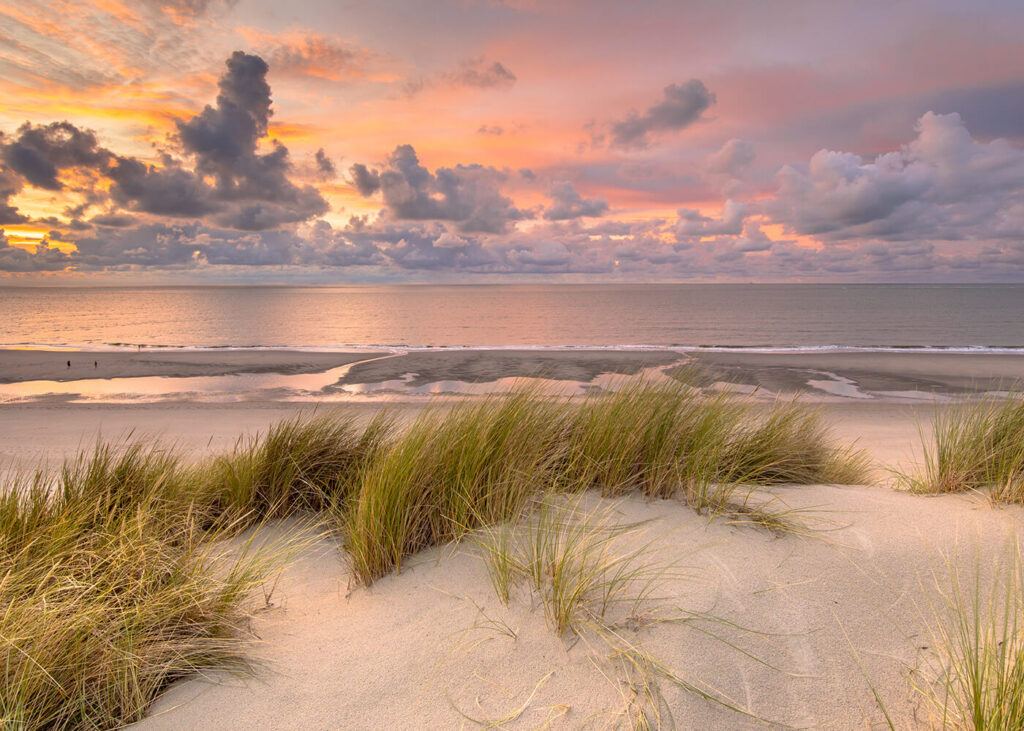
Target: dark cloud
pixel 251 190
pixel 45 258
pixel 366 181
pixel 681 106
pixel 224 138
pixel 114 220
pixel 469 195
pixel 168 191
pixel 494 129
pixel 325 166
pixel 40 152
pixel 568 203
pixel 10 186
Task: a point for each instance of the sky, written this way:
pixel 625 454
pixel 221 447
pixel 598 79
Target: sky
pixel 325 141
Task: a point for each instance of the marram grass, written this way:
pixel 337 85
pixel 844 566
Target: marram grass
pixel 975 677
pixel 976 445
pixel 115 578
pixel 110 589
pixel 477 463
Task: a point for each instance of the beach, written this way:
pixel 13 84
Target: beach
pixel 794 628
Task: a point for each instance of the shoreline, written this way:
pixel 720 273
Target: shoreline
pixel 306 376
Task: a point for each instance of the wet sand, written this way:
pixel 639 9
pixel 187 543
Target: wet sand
pixel 882 373
pixel 482 366
pixel 51 365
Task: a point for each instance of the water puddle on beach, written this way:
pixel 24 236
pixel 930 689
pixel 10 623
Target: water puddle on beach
pixel 837 385
pixel 148 389
pixel 322 386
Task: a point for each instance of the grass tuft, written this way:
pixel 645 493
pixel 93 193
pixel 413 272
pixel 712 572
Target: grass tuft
pixel 111 589
pixel 977 669
pixel 976 445
pixel 478 463
pixel 572 561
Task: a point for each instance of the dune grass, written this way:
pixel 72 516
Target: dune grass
pixel 571 559
pixel 598 580
pixel 977 445
pixel 115 580
pixel 976 677
pixel 110 588
pixel 477 463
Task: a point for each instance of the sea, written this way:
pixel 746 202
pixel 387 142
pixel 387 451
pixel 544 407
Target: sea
pixel 971 317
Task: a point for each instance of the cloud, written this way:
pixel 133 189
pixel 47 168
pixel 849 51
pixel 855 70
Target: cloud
pixel 681 106
pixel 44 259
pixel 493 129
pixel 114 220
pixel 726 168
pixel 473 73
pixel 366 181
pixel 943 185
pixel 40 152
pixel 10 186
pixel 324 165
pixel 693 224
pixel 167 191
pixel 469 195
pixel 478 73
pixel 567 204
pixel 314 55
pixel 250 190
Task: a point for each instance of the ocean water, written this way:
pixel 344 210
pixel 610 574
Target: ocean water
pixel 763 316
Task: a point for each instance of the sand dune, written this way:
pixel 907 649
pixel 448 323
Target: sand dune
pixel 433 646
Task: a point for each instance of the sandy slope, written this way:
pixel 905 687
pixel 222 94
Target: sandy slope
pixel 420 649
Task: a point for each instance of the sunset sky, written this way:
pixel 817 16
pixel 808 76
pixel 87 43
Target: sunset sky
pixel 319 141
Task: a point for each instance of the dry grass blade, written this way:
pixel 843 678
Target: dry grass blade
pixel 975 679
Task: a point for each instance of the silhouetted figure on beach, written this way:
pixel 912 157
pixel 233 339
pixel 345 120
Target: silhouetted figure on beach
pixel 95 364
pixel 69 364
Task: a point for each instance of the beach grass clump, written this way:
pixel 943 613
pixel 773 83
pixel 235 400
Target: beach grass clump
pixel 669 440
pixel 571 558
pixel 977 626
pixel 303 464
pixel 789 444
pixel 110 589
pixel 477 463
pixel 450 472
pixel 976 446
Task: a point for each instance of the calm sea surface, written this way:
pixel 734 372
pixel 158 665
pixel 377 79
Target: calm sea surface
pixel 678 315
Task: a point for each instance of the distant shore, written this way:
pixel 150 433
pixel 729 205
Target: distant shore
pixel 888 376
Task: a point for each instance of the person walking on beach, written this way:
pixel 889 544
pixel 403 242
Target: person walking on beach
pixel 69 364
